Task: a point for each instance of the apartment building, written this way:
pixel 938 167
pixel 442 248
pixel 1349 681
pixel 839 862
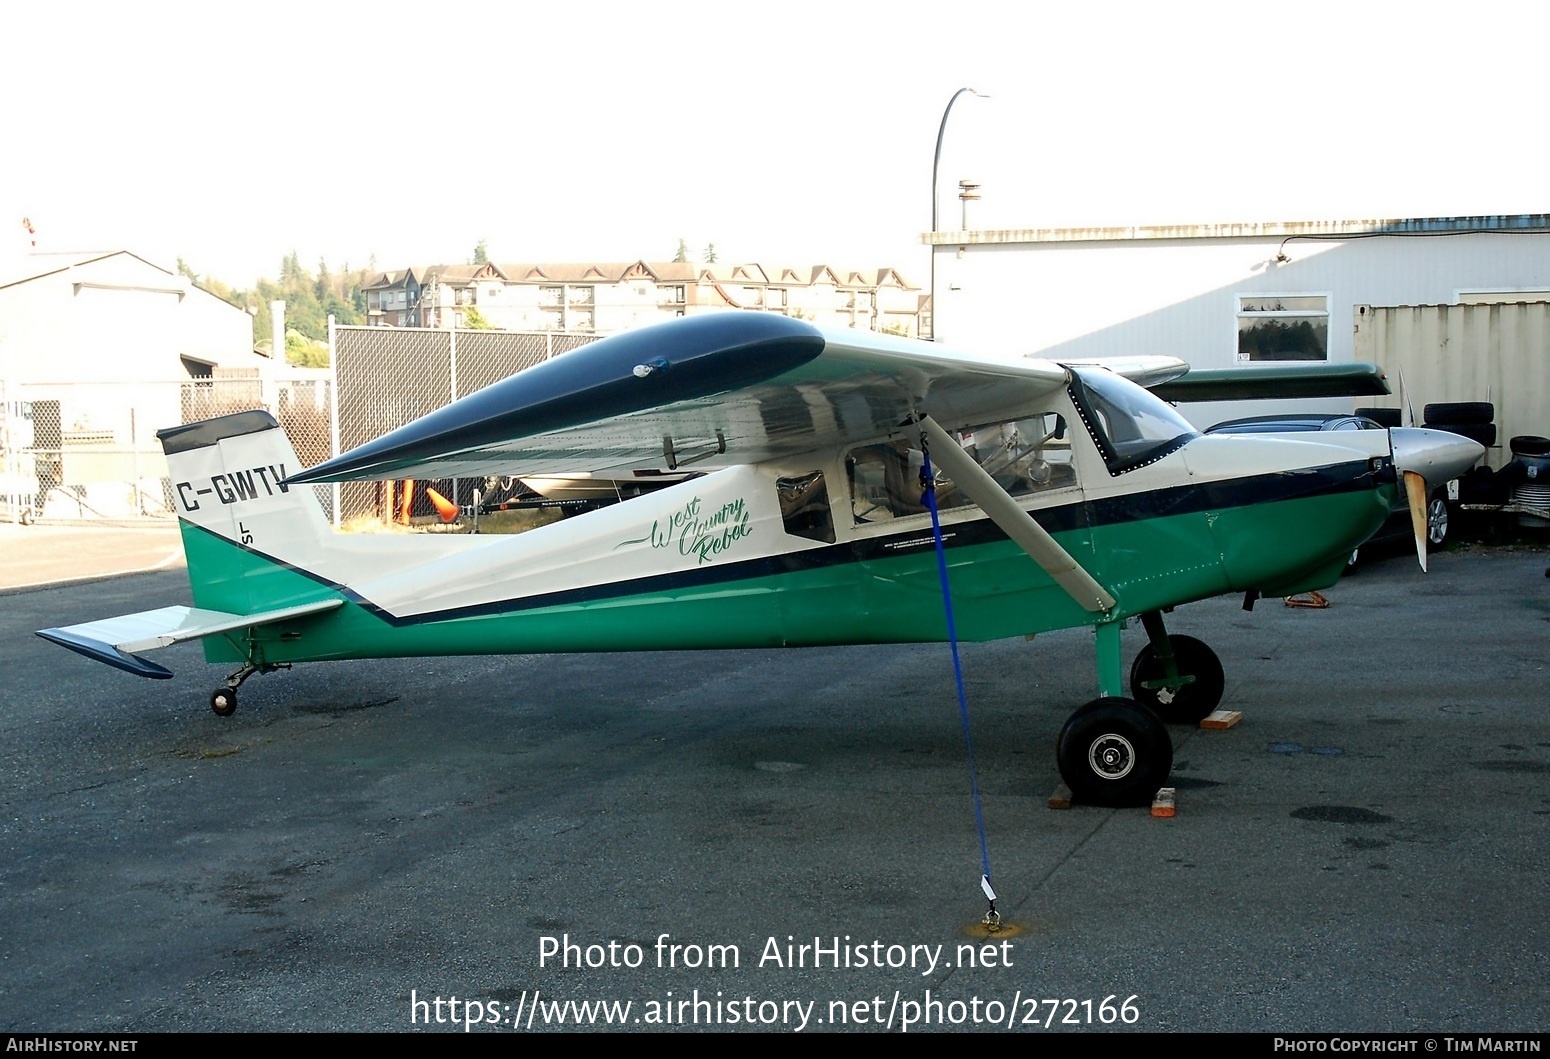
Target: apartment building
pixel 602 298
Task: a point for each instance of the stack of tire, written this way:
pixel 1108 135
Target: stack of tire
pixel 1475 420
pixel 1528 476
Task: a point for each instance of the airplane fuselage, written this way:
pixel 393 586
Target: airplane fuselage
pixel 834 550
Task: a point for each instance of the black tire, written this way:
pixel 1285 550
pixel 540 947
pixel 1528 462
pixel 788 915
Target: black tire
pixel 1114 752
pixel 1459 412
pixel 1529 445
pixel 1191 702
pixel 1437 521
pixel 223 702
pixel 1384 417
pixel 1484 433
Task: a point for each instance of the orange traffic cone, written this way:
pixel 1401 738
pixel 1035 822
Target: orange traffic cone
pixel 444 507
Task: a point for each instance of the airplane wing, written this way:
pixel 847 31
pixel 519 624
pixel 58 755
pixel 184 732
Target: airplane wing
pixel 115 640
pixel 1271 381
pixel 733 387
pixel 1150 372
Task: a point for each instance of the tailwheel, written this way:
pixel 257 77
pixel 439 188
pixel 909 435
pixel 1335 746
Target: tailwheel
pixel 1115 752
pixel 223 701
pixel 1193 692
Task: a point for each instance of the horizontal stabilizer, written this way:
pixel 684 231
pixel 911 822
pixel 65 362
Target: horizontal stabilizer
pixel 114 641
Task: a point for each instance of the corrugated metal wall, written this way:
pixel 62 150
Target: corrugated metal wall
pixel 1496 353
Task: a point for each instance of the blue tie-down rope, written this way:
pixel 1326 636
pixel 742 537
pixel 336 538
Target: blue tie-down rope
pixel 928 485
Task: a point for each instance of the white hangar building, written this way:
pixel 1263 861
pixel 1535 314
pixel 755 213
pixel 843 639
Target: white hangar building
pixel 98 350
pixel 1460 305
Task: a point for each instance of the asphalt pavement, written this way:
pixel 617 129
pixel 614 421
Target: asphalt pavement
pixel 1366 850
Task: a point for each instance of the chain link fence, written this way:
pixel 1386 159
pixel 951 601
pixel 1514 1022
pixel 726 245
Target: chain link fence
pixel 390 376
pixel 88 450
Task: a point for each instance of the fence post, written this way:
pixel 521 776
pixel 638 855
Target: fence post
pixel 333 408
pixel 134 448
pixel 452 387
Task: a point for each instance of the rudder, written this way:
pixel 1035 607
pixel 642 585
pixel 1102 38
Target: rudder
pixel 228 484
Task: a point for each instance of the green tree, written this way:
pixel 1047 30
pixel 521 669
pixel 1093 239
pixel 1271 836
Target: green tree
pixel 683 253
pixel 303 352
pixel 474 320
pixel 710 254
pixel 481 253
pixel 185 271
pixel 324 285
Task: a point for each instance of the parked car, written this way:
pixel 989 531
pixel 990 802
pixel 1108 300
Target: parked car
pixel 1397 527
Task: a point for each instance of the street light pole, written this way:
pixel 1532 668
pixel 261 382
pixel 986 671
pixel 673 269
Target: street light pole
pixel 936 162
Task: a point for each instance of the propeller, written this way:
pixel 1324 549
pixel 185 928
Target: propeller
pixel 1416 492
pixel 1426 459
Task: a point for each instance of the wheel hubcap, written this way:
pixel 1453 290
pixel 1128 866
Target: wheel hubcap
pixel 1437 524
pixel 1111 756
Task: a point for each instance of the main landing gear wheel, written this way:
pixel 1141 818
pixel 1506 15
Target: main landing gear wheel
pixel 1114 752
pixel 1190 702
pixel 223 701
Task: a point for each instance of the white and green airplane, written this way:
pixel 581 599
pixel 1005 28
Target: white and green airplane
pixel 1067 493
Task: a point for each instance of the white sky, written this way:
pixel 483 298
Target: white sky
pixel 796 132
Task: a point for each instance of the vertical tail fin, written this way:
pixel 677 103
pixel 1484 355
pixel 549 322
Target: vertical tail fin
pixel 243 526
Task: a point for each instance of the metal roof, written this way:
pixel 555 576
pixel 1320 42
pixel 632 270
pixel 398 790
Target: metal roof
pixel 1487 224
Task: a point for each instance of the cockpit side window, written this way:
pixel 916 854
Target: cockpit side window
pixel 804 507
pixel 1024 456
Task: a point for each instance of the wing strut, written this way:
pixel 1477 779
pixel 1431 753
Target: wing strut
pixel 1016 523
pixel 992 920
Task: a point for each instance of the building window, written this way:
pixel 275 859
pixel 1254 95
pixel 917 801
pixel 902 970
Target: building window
pixel 1503 297
pixel 551 297
pixel 1283 327
pixel 579 295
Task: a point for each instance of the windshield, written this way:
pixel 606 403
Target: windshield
pixel 1132 426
